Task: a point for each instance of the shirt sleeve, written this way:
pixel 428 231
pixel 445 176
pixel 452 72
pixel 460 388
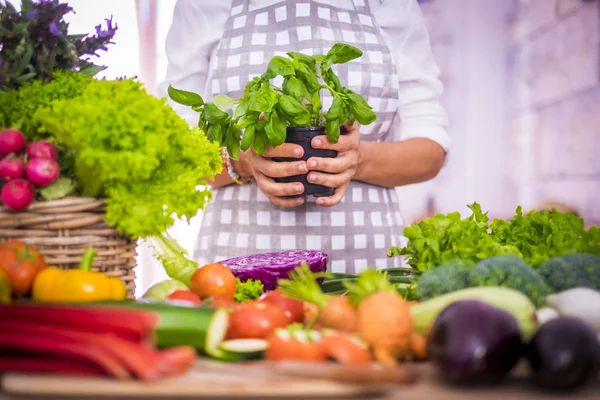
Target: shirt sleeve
pixel 193 36
pixel 421 112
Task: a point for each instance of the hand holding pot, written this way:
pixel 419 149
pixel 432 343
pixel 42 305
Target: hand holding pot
pixel 264 170
pixel 335 172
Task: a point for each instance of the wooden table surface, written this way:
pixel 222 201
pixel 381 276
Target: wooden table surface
pixel 220 384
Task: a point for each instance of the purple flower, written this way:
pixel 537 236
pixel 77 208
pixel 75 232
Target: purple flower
pixel 109 32
pixel 32 14
pixel 54 29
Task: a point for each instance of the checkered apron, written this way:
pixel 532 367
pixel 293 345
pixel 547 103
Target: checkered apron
pixel 241 220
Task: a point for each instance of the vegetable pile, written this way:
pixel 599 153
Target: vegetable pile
pixel 107 139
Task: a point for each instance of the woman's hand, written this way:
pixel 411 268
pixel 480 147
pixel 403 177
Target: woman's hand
pixel 265 170
pixel 341 168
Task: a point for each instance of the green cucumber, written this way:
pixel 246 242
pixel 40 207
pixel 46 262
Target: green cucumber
pixel 520 306
pixel 181 325
pixel 241 349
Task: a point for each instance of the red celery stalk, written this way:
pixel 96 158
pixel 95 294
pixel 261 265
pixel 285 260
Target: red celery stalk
pixel 17 342
pixel 133 325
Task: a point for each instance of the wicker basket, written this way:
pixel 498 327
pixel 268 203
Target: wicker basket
pixel 63 229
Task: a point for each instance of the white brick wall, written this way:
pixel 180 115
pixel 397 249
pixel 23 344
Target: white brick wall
pixel 555 94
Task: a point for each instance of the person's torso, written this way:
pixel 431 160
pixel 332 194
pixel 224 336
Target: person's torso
pixel 241 220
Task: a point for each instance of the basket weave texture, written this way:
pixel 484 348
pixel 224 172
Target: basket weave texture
pixel 63 229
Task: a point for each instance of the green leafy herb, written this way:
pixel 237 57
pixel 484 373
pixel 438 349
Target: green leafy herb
pixel 35 43
pixel 535 237
pixel 296 103
pixel 248 290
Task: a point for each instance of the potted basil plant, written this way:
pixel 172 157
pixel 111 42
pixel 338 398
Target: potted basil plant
pixel 291 113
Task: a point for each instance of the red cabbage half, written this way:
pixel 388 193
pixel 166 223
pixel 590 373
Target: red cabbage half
pixel 270 267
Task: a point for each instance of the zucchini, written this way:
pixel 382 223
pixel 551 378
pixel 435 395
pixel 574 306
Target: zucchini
pixel 520 306
pixel 242 349
pixel 201 328
pixel 398 271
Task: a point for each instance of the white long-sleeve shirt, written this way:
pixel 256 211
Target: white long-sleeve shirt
pixel 198 26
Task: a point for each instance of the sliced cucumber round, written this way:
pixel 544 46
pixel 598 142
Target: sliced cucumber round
pixel 216 332
pixel 242 349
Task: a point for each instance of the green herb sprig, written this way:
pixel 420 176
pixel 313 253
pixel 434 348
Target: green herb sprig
pixel 297 103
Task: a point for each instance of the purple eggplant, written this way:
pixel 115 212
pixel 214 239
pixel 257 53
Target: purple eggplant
pixel 474 343
pixel 564 355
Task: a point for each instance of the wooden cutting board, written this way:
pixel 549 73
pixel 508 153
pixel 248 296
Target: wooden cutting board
pixel 214 380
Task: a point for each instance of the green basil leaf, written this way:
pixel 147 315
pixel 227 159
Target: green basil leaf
pixel 213 114
pixel 294 87
pixel 262 101
pixel 316 102
pixel 361 110
pixel 247 138
pixel 336 110
pixel 240 110
pixel 293 111
pixel 261 141
pixel 252 86
pixel 332 80
pixel 276 129
pixel 214 133
pixel 248 119
pixel 223 101
pixel 233 142
pixel 309 78
pixel 184 97
pixel 278 66
pixel 303 58
pixel 341 53
pixel 332 128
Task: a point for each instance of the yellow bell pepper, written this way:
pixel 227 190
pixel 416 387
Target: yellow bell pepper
pixel 77 285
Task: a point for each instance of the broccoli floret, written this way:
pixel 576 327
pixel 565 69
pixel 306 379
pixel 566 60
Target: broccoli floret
pixel 445 278
pixel 571 271
pixel 511 272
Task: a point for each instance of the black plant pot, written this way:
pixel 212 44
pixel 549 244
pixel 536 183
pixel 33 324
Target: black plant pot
pixel 302 136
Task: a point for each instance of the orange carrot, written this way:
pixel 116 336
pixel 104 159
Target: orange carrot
pixel 334 312
pixel 384 319
pixel 418 346
pixel 339 314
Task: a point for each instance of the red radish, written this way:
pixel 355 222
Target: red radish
pixel 42 171
pixel 11 167
pixel 17 194
pixel 42 149
pixel 11 141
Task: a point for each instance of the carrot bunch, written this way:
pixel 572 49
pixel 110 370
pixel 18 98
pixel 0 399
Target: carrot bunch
pixel 371 308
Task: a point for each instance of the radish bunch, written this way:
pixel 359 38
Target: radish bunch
pixel 23 167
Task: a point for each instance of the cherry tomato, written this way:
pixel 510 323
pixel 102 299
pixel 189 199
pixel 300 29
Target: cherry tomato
pixel 213 280
pixel 255 320
pixel 184 295
pixel 344 349
pixel 283 348
pixel 292 308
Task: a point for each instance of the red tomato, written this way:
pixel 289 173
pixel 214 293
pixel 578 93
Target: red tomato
pixel 213 280
pixel 184 295
pixel 293 349
pixel 21 263
pixel 255 320
pixel 292 308
pixel 345 350
pixel 220 302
